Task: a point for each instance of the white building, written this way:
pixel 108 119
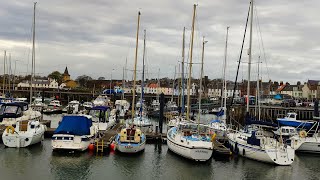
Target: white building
pixel 40 84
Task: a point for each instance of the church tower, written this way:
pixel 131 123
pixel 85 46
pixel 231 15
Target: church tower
pixel 66 75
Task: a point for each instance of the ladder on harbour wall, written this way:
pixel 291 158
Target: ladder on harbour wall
pixel 99 146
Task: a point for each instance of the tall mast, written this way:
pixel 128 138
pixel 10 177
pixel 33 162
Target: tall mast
pixel 224 76
pixel 124 78
pixel 4 73
pixel 158 86
pixel 135 70
pixel 182 73
pixel 201 75
pixel 258 91
pixel 250 56
pixel 33 49
pixel 9 73
pixel 142 80
pixel 174 80
pixel 190 63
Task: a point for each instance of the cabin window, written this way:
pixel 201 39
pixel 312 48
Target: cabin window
pixel 32 126
pixel 291 130
pixel 287 130
pixel 283 130
pixel 292 116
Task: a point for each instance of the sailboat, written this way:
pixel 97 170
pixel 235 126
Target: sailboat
pixel 28 130
pixel 177 119
pixel 131 139
pixel 141 120
pixel 218 124
pixel 188 139
pixel 257 140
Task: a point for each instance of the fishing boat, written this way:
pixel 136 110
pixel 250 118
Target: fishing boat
pixel 75 132
pixel 188 139
pixel 54 107
pixel 291 120
pixel 131 139
pixel 257 140
pixel 23 124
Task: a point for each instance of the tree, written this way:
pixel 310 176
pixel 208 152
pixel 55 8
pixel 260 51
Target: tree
pixel 57 76
pixel 101 78
pixel 83 80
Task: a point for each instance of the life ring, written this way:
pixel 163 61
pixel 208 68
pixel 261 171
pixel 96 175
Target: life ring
pixel 303 134
pixel 213 137
pixel 10 128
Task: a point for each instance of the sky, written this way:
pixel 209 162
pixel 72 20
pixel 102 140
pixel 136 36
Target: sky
pixel 96 37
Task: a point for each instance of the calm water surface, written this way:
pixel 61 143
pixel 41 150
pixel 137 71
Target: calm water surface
pixel 156 162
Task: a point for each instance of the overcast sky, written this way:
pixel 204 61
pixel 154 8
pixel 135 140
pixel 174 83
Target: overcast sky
pixel 94 37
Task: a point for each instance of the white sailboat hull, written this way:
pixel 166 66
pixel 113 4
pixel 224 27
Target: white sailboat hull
pixel 23 139
pixel 197 154
pixel 198 150
pixel 271 155
pixel 308 144
pixel 130 148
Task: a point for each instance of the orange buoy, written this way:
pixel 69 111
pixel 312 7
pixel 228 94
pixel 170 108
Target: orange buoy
pixel 112 146
pixel 91 147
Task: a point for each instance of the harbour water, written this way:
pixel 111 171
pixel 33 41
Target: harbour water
pixel 156 162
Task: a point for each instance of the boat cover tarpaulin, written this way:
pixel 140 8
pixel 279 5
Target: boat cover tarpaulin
pixel 75 125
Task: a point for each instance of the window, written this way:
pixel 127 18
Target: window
pixel 292 116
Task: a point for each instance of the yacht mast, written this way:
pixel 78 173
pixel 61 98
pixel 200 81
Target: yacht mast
pixel 182 73
pixel 201 76
pixel 135 70
pixel 250 56
pixel 33 49
pixel 142 80
pixel 224 77
pixel 258 91
pixel 174 80
pixel 4 72
pixel 190 63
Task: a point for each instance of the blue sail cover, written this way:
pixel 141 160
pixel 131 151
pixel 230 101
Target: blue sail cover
pixel 100 108
pixel 74 125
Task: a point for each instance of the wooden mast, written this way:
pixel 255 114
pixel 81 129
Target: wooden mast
pixel 135 70
pixel 190 63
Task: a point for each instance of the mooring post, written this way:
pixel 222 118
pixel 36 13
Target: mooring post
pixel 161 112
pixel 316 108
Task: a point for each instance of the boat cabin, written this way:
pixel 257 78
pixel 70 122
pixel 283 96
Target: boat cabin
pixel 131 135
pixel 12 110
pixel 291 116
pixel 286 131
pixel 100 114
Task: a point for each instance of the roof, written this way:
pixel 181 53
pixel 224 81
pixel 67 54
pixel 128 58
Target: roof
pixel 153 85
pixel 74 125
pixel 66 71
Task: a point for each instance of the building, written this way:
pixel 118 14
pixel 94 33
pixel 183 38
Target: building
pixel 39 84
pixel 66 81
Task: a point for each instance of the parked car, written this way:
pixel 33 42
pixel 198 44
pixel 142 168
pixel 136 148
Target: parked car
pixel 288 103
